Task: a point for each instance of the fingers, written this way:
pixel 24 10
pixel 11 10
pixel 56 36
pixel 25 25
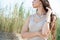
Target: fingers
pixel 49 9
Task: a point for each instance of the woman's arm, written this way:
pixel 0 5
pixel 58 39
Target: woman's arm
pixel 29 34
pixel 25 33
pixel 46 29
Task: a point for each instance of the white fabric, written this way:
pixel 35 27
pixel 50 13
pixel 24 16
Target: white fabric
pixel 34 27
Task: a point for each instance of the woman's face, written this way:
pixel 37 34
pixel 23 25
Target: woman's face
pixel 36 3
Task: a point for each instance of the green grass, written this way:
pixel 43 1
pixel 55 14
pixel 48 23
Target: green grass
pixel 58 29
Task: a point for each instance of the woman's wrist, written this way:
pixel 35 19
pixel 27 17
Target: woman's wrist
pixel 47 18
pixel 40 35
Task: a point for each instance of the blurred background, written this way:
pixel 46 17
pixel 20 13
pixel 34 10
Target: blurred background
pixel 13 14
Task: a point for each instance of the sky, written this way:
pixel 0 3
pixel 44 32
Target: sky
pixel 28 5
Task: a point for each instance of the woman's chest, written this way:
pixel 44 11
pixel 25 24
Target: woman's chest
pixel 36 24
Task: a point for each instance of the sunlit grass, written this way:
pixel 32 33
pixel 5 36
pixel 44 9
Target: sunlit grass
pixel 15 23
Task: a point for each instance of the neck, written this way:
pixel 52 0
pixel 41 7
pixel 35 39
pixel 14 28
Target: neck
pixel 41 11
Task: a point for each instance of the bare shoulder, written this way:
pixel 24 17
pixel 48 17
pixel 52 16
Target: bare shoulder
pixel 28 18
pixel 31 16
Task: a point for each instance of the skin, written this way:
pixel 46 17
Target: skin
pixel 38 5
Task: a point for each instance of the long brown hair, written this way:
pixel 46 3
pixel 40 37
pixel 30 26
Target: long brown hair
pixel 52 24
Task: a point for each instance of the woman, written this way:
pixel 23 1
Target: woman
pixel 38 26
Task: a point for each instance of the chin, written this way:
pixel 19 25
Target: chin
pixel 34 6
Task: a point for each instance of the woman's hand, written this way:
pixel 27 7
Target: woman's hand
pixel 49 11
pixel 48 14
pixel 40 35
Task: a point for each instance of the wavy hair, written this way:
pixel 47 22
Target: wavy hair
pixel 45 4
